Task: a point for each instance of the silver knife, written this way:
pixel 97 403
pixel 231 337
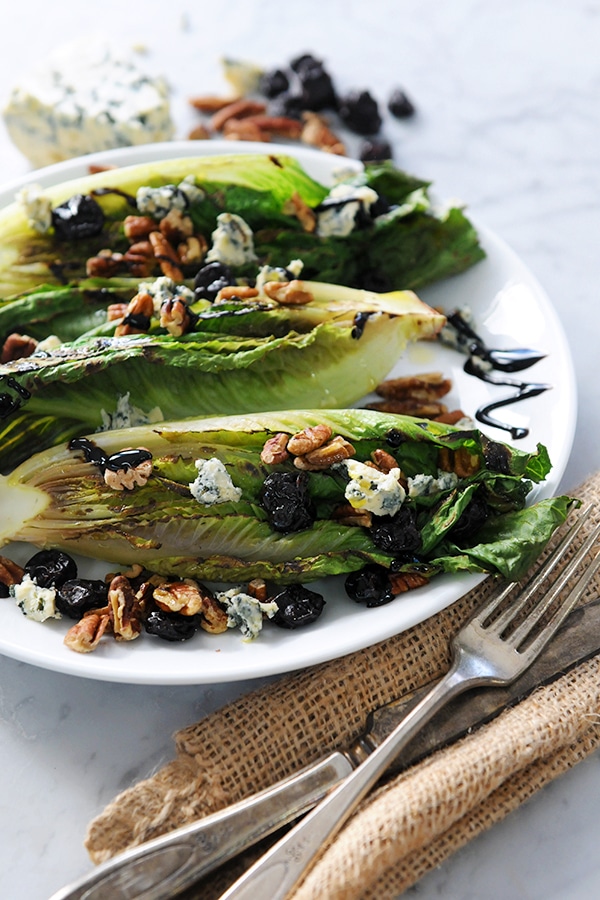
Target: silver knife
pixel 165 866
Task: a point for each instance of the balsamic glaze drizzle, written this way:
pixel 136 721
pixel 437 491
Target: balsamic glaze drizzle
pixel 480 363
pixel 123 459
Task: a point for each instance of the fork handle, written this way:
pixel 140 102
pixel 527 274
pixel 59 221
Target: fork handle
pixel 275 874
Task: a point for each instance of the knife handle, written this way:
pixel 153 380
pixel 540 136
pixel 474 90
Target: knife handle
pixel 166 865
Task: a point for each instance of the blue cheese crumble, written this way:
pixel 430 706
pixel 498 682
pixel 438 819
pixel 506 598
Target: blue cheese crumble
pixel 213 483
pixel 126 415
pixel 336 216
pixel 37 206
pixel 164 288
pixel 369 489
pixel 426 485
pixel 232 241
pixel 245 612
pixel 35 602
pixel 158 202
pixel 274 273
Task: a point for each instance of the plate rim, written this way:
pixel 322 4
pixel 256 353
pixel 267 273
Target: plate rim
pixel 95 665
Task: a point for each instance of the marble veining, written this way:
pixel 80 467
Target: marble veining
pixel 507 98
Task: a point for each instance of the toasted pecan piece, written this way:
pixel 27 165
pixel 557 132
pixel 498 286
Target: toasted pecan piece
pixel 427 386
pixel 238 109
pixel 317 133
pixel 407 581
pixel 275 449
pixel 84 636
pixel 288 293
pixel 419 409
pixel 308 439
pixel 17 346
pixel 244 130
pixel 210 103
pixel 298 207
pixel 166 255
pixel 325 456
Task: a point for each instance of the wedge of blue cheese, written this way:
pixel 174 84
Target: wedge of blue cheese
pixel 86 97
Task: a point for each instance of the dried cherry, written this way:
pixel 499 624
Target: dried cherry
pixel 298 606
pixel 370 585
pixel 397 535
pixel 400 105
pixel 78 595
pixel 51 568
pixel 285 498
pixel 360 112
pixel 210 279
pixel 171 626
pixel 79 217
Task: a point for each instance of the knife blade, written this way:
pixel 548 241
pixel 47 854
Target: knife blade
pixel 167 865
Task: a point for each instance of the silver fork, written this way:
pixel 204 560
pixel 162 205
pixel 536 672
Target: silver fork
pixel 484 652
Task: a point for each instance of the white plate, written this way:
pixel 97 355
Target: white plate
pixel 510 309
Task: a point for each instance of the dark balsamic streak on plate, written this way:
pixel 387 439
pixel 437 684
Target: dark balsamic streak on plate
pixel 482 360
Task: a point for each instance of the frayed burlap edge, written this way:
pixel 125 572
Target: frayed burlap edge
pixel 513 793
pixel 439 796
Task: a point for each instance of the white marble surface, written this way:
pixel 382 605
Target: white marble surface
pixel 508 121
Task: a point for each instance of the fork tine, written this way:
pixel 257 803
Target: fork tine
pixel 536 580
pixel 565 576
pixel 538 644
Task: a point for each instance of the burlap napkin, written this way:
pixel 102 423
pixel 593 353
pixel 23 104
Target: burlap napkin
pixel 411 822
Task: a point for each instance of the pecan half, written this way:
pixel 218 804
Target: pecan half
pixel 10 572
pixel 210 103
pixel 347 515
pixel 17 346
pixel 237 109
pixel 136 227
pixel 139 259
pixel 323 457
pixel 297 207
pixel 288 293
pixel 184 597
pixel 277 126
pixel 275 449
pixel 127 479
pixel 244 130
pixel 384 461
pixel 406 581
pixel 175 316
pixel 192 250
pixel 199 133
pixel 84 636
pixel 459 461
pixel 105 264
pixel 419 409
pixel 427 386
pixel 124 609
pixel 116 311
pixel 213 618
pixel 137 315
pixel 317 133
pixel 236 292
pixel 175 226
pixel 166 255
pixel 308 439
pixel 451 417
